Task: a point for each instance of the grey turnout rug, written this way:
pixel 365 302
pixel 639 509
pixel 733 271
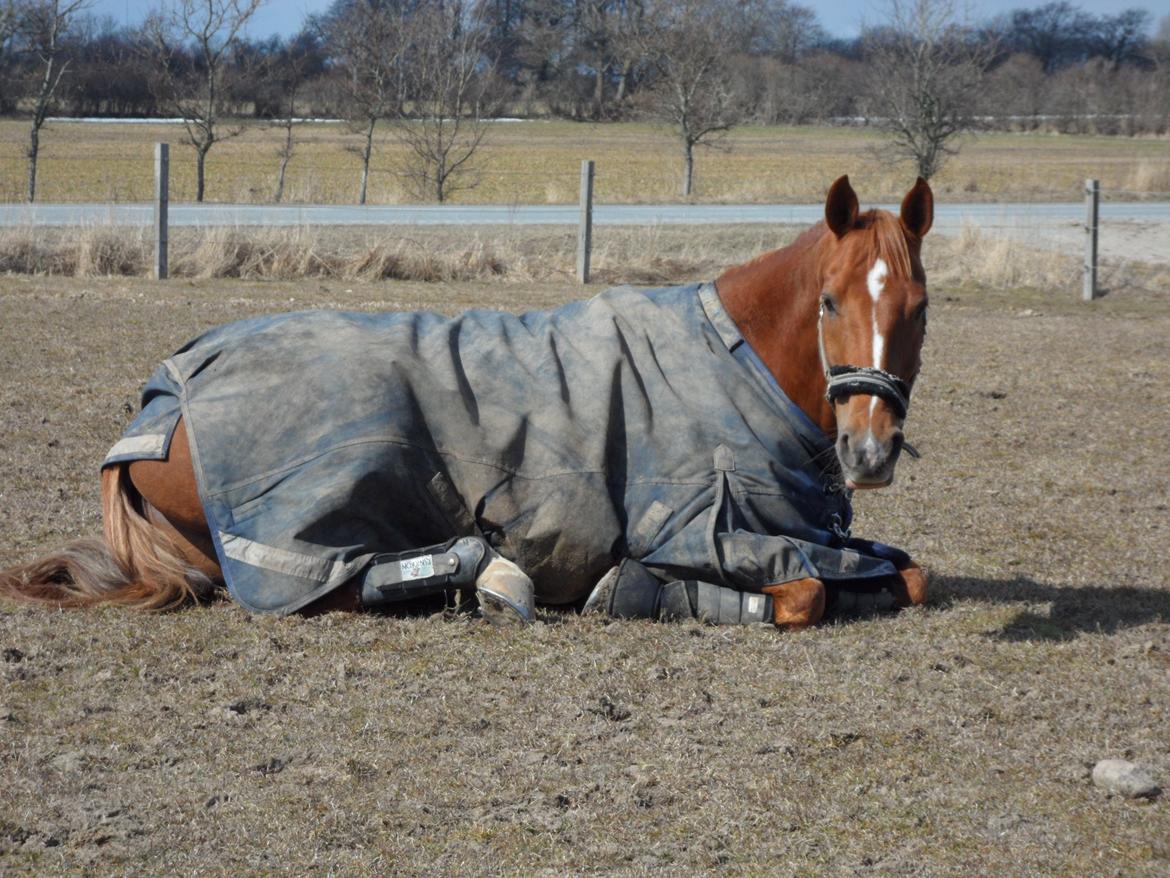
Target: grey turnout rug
pixel 635 424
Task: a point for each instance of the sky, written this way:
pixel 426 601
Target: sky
pixel 841 18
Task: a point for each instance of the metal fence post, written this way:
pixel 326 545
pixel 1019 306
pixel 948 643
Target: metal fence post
pixel 1092 200
pixel 162 166
pixel 585 224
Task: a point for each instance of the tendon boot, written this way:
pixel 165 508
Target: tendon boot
pixel 505 593
pixel 630 591
pixel 853 601
pixel 713 604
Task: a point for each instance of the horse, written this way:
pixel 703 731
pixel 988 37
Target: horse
pixel 684 452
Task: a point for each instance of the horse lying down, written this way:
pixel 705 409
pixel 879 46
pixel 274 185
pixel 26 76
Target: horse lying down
pixel 687 452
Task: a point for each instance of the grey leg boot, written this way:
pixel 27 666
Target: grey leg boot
pixel 630 591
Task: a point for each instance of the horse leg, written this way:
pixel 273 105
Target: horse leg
pixel 171 503
pixel 797 604
pixel 909 587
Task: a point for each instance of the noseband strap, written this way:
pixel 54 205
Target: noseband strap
pixel 843 381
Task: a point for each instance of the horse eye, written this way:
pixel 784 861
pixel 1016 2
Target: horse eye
pixel 828 304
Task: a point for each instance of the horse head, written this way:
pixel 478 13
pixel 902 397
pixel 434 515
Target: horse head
pixel 871 322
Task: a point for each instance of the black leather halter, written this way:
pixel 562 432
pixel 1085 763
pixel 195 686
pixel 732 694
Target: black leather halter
pixel 843 381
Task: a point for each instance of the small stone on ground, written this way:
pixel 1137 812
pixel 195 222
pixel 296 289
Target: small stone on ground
pixel 1125 779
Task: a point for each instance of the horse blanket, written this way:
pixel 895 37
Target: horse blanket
pixel 635 424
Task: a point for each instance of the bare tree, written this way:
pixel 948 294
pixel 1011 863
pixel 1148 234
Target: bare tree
pixel 1120 38
pixel 42 28
pixel 7 23
pixel 689 44
pixel 446 73
pixel 192 42
pixel 366 38
pixel 927 72
pixel 7 32
pixel 294 66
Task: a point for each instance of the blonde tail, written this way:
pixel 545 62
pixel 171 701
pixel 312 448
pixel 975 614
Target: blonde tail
pixel 136 566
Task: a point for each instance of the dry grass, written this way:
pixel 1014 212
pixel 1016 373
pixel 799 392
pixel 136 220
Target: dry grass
pixel 650 255
pixel 944 741
pixel 429 254
pixel 999 262
pixel 539 162
pixel 935 743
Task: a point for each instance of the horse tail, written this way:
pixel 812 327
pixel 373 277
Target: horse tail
pixel 137 565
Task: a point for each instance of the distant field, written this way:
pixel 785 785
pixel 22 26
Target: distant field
pixel 539 162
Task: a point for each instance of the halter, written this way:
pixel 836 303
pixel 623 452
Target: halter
pixel 842 381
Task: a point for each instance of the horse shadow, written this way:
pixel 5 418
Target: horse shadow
pixel 1076 609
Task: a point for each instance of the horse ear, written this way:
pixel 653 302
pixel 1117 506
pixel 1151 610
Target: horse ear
pixel 841 207
pixel 918 209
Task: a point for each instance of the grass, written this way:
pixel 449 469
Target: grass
pixel 941 741
pixel 539 162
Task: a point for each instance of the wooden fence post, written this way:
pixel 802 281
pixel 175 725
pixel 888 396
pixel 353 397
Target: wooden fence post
pixel 585 224
pixel 162 166
pixel 1092 200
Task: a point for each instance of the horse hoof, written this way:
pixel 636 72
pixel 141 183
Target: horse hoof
pixel 797 604
pixel 909 589
pixel 505 594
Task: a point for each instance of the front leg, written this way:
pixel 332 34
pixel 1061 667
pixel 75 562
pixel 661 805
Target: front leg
pixel 797 604
pixel 909 586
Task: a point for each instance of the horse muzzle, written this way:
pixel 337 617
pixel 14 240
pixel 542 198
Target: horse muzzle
pixel 866 460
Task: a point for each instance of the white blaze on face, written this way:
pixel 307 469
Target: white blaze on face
pixel 876 282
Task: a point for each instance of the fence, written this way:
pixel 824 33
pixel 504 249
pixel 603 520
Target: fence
pixel 585 223
pixel 1046 220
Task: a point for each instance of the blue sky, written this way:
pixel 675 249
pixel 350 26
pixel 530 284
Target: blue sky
pixel 842 18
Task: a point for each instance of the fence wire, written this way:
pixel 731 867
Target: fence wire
pixel 1041 225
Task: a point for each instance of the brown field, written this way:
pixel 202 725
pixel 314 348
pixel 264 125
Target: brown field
pixel 539 162
pixel 949 740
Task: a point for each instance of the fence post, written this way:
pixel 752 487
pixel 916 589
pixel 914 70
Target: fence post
pixel 585 224
pixel 162 166
pixel 1092 200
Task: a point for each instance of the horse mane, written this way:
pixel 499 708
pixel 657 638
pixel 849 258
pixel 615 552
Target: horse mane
pixel 888 239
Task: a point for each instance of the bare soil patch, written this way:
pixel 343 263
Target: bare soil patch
pixel 942 741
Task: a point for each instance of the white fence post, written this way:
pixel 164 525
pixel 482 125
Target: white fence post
pixel 1092 200
pixel 585 224
pixel 162 166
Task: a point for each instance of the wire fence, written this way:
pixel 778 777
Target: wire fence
pixel 112 184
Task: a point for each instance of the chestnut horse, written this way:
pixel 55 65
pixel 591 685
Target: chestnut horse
pixel 838 318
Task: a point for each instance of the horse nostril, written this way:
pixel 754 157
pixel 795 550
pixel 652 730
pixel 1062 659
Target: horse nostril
pixel 897 439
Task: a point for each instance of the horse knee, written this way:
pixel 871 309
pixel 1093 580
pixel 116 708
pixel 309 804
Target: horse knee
pixel 797 604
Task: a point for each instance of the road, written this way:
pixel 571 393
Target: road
pixel 1134 230
pixel 948 217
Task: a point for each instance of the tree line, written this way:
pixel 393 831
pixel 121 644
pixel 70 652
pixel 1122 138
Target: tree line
pixel 432 71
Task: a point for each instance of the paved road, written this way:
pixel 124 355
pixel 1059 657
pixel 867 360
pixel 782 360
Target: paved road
pixel 948 217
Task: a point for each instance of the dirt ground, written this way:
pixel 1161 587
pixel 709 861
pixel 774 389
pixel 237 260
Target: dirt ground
pixel 939 741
